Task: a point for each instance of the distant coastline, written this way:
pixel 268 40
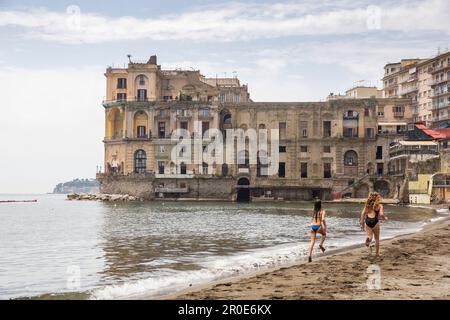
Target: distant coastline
pixel 77 186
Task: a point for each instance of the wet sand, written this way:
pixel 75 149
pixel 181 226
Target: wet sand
pixel 414 266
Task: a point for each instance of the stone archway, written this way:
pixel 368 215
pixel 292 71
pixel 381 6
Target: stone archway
pixel 382 187
pixel 243 190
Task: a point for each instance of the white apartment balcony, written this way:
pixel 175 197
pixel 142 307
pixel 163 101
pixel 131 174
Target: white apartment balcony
pixel 390 85
pixel 440 93
pixel 436 81
pixel 440 68
pixel 441 105
pixel 408 90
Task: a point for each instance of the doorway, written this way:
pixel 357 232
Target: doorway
pixel 243 190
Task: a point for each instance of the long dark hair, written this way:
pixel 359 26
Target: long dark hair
pixel 317 209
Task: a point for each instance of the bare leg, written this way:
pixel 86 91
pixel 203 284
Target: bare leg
pixel 311 245
pixel 322 240
pixel 369 235
pixel 376 232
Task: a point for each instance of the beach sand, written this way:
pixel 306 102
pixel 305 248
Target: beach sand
pixel 414 266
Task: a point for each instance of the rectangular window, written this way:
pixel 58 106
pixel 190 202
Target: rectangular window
pixel 369 132
pixel 121 83
pixel 326 149
pixel 303 148
pixel 282 129
pixel 282 148
pixel 379 155
pixel 304 129
pixel 281 170
pixel 161 129
pixel 304 170
pixel 326 129
pixel 204 113
pixel 141 132
pixel 184 125
pixel 121 97
pixel 161 167
pixel 142 94
pixel 205 127
pixel 327 170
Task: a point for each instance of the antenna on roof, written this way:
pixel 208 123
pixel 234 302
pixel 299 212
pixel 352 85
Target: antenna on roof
pixel 129 57
pixel 235 74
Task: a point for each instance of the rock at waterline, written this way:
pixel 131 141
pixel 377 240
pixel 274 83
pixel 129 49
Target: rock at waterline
pixel 102 197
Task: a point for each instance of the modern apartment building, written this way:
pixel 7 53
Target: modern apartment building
pixel 425 83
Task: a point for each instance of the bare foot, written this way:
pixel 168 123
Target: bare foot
pixel 322 248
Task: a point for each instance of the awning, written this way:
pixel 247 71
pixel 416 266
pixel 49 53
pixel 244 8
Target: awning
pixel 417 143
pixel 392 123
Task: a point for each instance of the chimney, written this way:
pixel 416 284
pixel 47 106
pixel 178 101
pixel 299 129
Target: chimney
pixel 152 60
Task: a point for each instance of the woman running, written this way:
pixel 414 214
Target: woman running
pixel 318 225
pixel 370 216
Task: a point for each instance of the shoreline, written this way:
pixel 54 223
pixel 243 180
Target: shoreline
pixel 404 263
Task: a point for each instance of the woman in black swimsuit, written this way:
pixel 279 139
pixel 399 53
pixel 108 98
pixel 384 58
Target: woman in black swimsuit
pixel 370 216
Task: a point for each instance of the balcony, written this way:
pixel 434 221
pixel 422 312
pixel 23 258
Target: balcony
pixel 162 115
pixel 400 114
pixel 436 94
pixel 114 138
pixel 123 102
pixel 205 116
pixel 440 68
pixel 401 153
pixel 408 90
pixel 435 81
pixel 142 137
pixel 441 105
pixel 173 176
pixel 184 116
pixel 390 85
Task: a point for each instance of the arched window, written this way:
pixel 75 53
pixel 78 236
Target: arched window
pixel 224 170
pixel 140 161
pixel 351 158
pixel 227 119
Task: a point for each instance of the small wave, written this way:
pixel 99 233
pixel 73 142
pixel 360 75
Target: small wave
pixel 443 211
pixel 212 269
pixel 217 268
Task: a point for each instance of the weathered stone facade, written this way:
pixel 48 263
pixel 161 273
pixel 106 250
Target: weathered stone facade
pixel 324 147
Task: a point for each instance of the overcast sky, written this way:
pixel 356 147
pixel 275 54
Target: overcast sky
pixel 53 56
